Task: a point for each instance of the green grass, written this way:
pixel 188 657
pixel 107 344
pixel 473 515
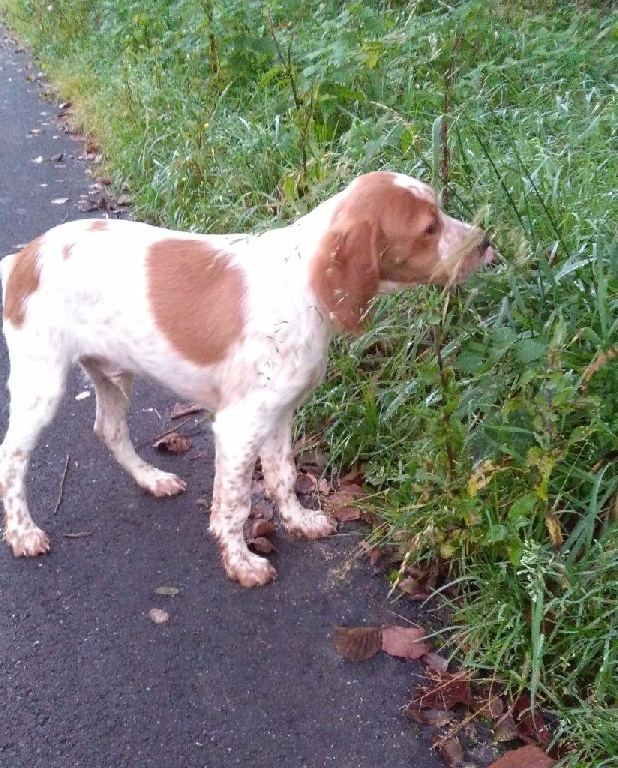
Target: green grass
pixel 492 443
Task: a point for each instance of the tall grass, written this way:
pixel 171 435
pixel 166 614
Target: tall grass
pixel 486 419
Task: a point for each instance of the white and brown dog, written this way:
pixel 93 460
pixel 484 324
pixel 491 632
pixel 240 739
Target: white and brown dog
pixel 237 323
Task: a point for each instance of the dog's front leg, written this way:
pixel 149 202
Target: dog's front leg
pixel 237 440
pixel 279 471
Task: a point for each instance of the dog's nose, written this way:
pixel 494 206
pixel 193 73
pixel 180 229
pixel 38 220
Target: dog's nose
pixel 486 249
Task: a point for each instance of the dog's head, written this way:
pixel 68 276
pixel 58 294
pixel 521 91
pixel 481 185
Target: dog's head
pixel 388 233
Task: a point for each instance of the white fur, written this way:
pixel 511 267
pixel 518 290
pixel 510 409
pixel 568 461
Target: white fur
pixel 92 306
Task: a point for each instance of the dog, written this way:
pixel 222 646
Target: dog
pixel 239 324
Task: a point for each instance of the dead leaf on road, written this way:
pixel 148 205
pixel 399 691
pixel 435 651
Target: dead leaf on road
pixel 451 751
pixel 306 483
pixel 404 642
pixel 433 717
pixel 444 692
pixel 529 756
pixel 357 643
pixel 174 442
pixel 261 545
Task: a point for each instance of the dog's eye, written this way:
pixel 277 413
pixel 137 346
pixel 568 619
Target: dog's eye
pixel 432 228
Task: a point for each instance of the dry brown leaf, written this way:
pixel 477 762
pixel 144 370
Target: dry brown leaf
pixel 404 642
pixel 324 487
pixel 450 751
pixel 436 662
pixel 357 643
pixel 415 588
pixel 506 729
pixel 345 514
pixel 184 409
pixel 433 717
pixel 261 545
pixel 530 727
pixel 306 483
pixel 529 756
pixel 262 509
pixel 263 527
pixel 445 692
pixel 174 442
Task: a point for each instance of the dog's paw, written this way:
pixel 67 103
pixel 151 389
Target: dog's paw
pixel 161 483
pixel 312 525
pixel 27 543
pixel 246 568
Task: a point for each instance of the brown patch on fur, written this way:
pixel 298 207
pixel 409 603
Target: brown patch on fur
pixel 345 271
pixel 98 225
pixel 23 281
pixel 379 232
pixel 67 249
pixel 195 297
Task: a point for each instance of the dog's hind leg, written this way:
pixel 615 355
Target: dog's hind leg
pixel 36 386
pixel 113 393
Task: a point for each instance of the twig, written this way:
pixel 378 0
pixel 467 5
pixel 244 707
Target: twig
pixel 151 440
pixel 62 479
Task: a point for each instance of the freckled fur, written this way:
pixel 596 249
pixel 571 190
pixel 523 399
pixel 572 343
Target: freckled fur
pixel 237 323
pixel 22 282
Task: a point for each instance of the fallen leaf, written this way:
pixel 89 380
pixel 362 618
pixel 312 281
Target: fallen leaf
pixel 261 545
pixel 529 756
pixel 445 692
pixel 450 750
pixel 345 514
pixel 415 588
pixel 404 642
pixel 357 643
pixel 158 615
pixel 306 483
pixel 92 145
pixel 433 717
pixel 262 509
pixel 264 528
pixel 324 487
pixel 506 729
pixel 436 662
pixel 530 726
pixel 174 442
pixel 184 409
pixel 340 503
pixel 167 591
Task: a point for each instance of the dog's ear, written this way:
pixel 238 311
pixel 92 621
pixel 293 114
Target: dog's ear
pixel 346 271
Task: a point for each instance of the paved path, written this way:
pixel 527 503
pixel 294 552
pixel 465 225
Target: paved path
pixel 235 677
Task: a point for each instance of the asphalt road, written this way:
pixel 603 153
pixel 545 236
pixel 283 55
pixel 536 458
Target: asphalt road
pixel 235 677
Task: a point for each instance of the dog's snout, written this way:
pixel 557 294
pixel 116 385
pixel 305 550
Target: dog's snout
pixel 487 253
